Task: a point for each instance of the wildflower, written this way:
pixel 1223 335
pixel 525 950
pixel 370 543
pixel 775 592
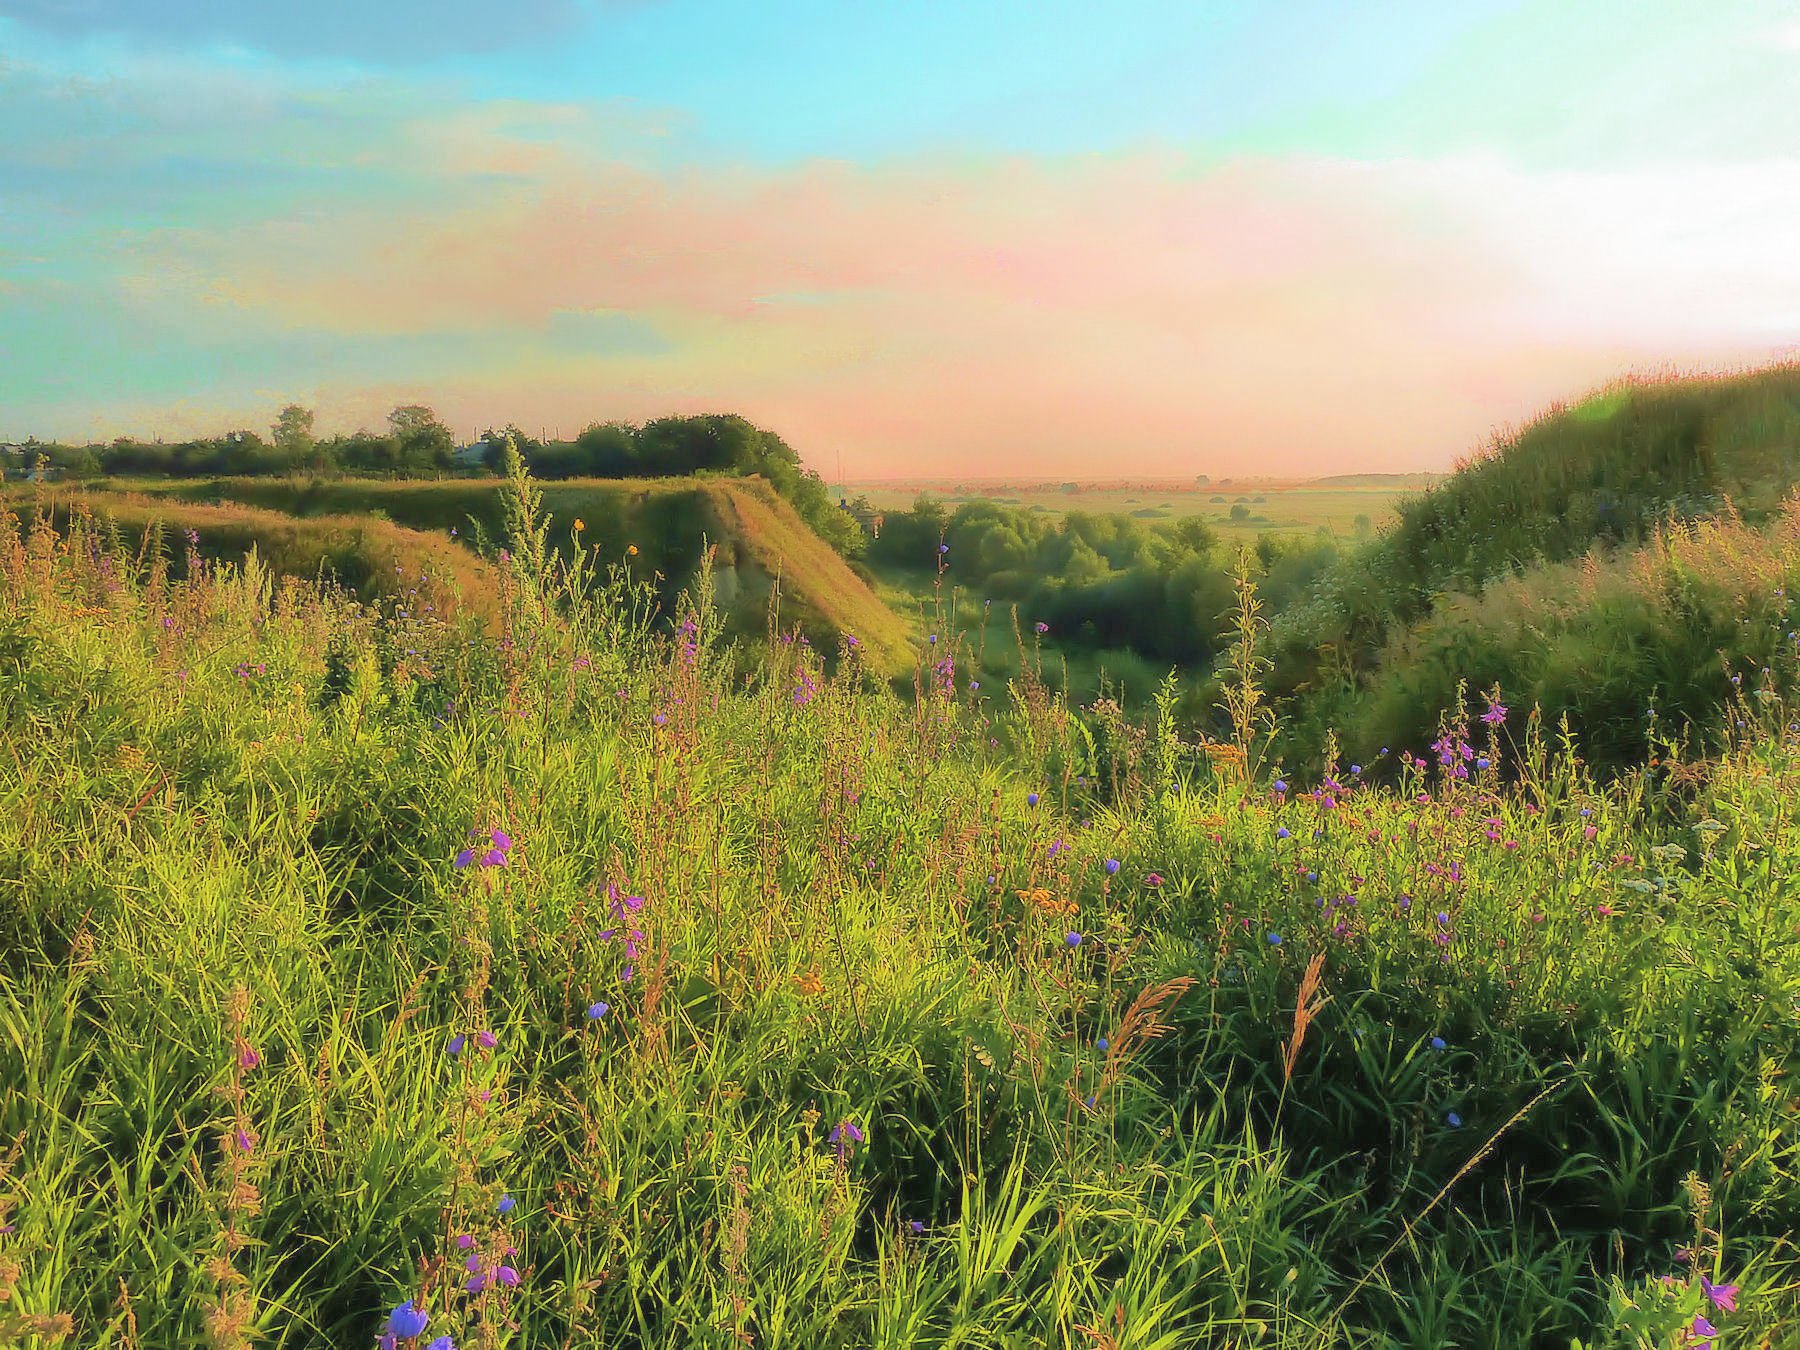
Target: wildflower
pixel 406 1321
pixel 1274 939
pixel 442 1343
pixel 1495 714
pixel 1041 627
pixel 1057 846
pixel 1073 939
pixel 486 1039
pixel 464 1241
pixel 843 1135
pixel 915 1227
pixel 506 1277
pixel 1031 799
pixel 1723 1296
pixel 386 1342
pixel 1703 1331
pixel 598 1010
pixel 1153 880
pixel 1453 1120
pixel 1282 832
pixel 1484 763
pixel 1089 1103
pixel 457 1042
pixel 580 525
pixel 1101 1045
pixel 1280 785
pixel 476 1283
pixel 506 1204
pixel 1438 1043
pixel 248 1058
pixel 631 550
pixel 495 855
pixel 943 549
pixel 1112 867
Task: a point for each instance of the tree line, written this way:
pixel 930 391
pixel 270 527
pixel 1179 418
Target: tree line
pixel 416 443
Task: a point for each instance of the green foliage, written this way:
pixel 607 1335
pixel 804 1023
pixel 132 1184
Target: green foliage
pixel 237 949
pixel 1162 592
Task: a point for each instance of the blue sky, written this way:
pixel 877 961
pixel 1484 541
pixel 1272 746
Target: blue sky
pixel 1005 228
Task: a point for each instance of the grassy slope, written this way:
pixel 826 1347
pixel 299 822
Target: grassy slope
pixel 1607 471
pixel 1393 623
pixel 371 556
pixel 666 519
pixel 855 915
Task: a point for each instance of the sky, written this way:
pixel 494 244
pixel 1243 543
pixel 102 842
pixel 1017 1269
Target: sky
pixel 976 237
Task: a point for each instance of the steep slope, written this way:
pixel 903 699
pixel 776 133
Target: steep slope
pixel 668 521
pixel 1602 474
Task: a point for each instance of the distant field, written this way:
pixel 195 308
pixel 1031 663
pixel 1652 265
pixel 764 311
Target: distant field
pixel 1301 506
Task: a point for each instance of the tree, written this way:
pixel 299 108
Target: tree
pixel 420 440
pixel 293 432
pixel 1240 512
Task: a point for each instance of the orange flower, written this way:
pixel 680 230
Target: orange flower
pixel 809 983
pixel 580 525
pixel 1046 903
pixel 631 550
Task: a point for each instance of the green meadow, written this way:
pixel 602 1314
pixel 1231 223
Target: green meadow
pixel 378 966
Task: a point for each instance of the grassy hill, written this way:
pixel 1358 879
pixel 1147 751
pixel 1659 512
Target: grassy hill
pixel 1484 577
pixel 371 556
pixel 758 537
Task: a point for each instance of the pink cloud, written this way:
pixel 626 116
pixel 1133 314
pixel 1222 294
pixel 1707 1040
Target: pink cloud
pixel 1138 313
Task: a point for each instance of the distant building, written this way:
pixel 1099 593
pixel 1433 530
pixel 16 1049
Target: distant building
pixel 473 455
pixel 864 515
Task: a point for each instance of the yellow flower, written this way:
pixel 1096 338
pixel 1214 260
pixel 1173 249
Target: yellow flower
pixel 631 550
pixel 580 524
pixel 809 984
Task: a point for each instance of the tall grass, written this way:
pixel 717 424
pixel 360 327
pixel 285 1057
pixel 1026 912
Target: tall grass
pixel 785 1011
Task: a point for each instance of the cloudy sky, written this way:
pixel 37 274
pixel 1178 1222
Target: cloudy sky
pixel 978 236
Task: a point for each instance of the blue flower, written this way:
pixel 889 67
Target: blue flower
pixel 1281 785
pixel 1437 1043
pixel 442 1343
pixel 598 1010
pixel 1274 939
pixel 1101 1045
pixel 406 1321
pixel 506 1204
pixel 1112 867
pixel 1073 939
pixel 1031 799
pixel 1453 1120
pixel 457 1042
pixel 1282 832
